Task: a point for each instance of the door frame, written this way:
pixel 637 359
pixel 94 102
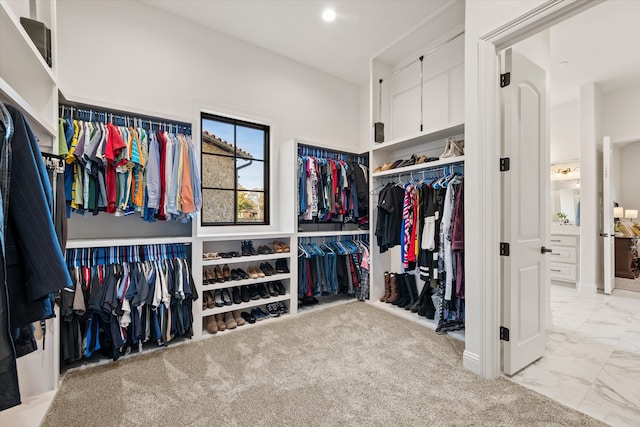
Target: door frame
pixel 487 136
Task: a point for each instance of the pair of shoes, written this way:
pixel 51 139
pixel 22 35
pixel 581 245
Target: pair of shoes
pixel 248 317
pixel 239 274
pixel 235 295
pixel 262 290
pixel 264 250
pixel 278 287
pixel 272 289
pixel 238 317
pixel 222 297
pixel 273 309
pixel 267 269
pixel 384 167
pixel 453 148
pixel 253 292
pixel 258 314
pixel 210 255
pixel 227 255
pixel 280 247
pixel 409 162
pixel 207 277
pixel 255 272
pixel 244 293
pixel 281 266
pixel 207 300
pixel 247 248
pixel 230 320
pixel 215 276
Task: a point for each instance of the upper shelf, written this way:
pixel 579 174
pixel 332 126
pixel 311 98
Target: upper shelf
pixel 419 138
pixel 419 167
pixel 14 38
pixel 11 95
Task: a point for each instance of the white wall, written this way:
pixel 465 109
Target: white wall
pixel 630 176
pixel 144 59
pixel 565 131
pixel 481 17
pixel 621 114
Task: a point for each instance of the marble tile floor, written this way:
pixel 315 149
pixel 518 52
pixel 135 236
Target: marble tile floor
pixel 592 361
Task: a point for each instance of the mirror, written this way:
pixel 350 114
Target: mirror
pixel 565 202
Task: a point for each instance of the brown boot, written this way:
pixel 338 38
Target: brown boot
pixel 387 287
pixel 220 321
pixel 393 293
pixel 212 325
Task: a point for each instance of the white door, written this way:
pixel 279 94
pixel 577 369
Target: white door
pixel 525 222
pixel 608 224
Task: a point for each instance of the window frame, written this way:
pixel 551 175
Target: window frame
pixel 266 129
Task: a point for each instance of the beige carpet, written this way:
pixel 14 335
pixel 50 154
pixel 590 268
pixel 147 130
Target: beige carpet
pixel 351 364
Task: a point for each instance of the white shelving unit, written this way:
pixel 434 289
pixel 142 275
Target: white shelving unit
pixel 288 185
pixel 441 115
pixel 233 243
pixel 30 85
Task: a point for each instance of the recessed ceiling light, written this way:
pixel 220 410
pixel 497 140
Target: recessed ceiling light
pixel 329 15
pixel 563 63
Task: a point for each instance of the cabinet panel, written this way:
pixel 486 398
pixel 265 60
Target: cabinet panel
pixel 564 254
pixel 564 272
pixel 557 240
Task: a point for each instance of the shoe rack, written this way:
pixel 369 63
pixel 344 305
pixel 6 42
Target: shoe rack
pixel 216 256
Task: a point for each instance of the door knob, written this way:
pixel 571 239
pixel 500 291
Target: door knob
pixel 544 250
pixel 604 234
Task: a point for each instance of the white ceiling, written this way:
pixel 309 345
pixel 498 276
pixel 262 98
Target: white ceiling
pixel 600 45
pixel 296 30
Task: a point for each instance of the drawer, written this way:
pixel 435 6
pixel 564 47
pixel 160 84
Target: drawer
pixel 563 254
pixel 565 272
pixel 557 240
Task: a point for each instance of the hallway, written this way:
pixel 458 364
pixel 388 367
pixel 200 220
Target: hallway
pixel 592 362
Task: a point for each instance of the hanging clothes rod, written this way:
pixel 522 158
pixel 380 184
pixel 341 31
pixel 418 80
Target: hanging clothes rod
pixel 421 57
pixel 52 156
pixel 306 149
pixel 108 115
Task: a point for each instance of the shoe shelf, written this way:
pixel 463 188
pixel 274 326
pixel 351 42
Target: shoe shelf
pixel 420 167
pixel 419 138
pixel 247 259
pixel 245 305
pixel 246 326
pixel 235 283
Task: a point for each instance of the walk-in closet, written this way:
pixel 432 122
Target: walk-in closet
pixel 297 214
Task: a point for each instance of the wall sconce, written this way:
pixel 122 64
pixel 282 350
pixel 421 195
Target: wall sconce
pixel 631 214
pixel 618 212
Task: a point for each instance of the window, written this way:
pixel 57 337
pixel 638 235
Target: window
pixel 235 171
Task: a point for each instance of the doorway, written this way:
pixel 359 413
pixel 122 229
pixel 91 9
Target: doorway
pixel 590 336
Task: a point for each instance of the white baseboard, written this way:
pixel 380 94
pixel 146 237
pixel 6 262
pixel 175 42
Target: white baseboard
pixel 471 361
